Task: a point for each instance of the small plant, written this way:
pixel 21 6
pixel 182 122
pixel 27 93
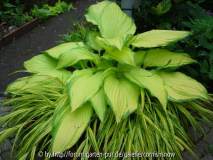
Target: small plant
pixel 27 17
pixel 59 7
pixel 118 87
pixel 48 11
pixel 41 14
pixel 210 150
pixel 80 34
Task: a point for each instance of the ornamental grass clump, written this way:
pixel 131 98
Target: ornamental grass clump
pixel 117 92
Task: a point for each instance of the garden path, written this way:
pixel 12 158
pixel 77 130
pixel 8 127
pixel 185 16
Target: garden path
pixel 33 43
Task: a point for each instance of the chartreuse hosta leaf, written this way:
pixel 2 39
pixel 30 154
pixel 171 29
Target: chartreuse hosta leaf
pixel 122 95
pixel 74 55
pixel 99 104
pixel 157 38
pixel 140 57
pixel 46 65
pixel 105 46
pixel 117 42
pixel 21 84
pixel 83 87
pixel 149 81
pixel 79 73
pixel 115 26
pixel 58 50
pixel 125 56
pixel 69 126
pixel 94 12
pixel 105 64
pixel 91 41
pixel 29 83
pixel 130 40
pixel 115 23
pixel 163 57
pixel 124 67
pixel 181 87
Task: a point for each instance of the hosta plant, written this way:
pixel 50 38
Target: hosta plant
pixel 119 87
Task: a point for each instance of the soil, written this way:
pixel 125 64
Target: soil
pixel 35 42
pixel 5 28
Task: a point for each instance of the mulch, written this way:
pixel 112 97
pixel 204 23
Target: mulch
pixel 35 42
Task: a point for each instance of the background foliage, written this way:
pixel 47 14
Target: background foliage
pixel 195 16
pixel 13 13
pixel 19 12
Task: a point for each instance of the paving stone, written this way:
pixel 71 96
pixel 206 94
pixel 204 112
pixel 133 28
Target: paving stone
pixel 1 100
pixel 12 140
pixel 5 109
pixel 194 135
pixel 208 157
pixel 7 145
pixel 206 126
pixel 3 113
pixel 184 158
pixel 17 142
pixel 197 152
pixel 13 135
pixel 209 137
pixel 6 155
pixel 188 156
pixel 201 146
pixel 14 153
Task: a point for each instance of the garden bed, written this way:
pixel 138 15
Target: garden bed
pixel 16 33
pixel 15 21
